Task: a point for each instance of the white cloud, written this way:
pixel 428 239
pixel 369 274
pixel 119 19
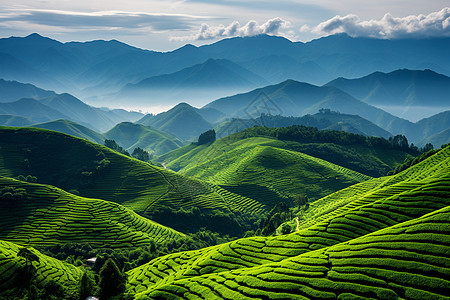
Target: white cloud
pixel 436 24
pixel 101 19
pixel 207 32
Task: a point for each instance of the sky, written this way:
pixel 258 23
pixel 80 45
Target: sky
pixel 167 25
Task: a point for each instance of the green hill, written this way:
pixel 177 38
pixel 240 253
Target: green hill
pixel 370 156
pixel 131 136
pixel 259 168
pixel 46 215
pixel 95 171
pixel 72 128
pixel 383 238
pixel 47 269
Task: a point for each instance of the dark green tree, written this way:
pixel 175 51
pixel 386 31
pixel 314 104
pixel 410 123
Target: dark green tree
pixel 27 255
pixel 140 154
pixel 114 146
pixel 207 137
pixel 86 286
pixel 112 281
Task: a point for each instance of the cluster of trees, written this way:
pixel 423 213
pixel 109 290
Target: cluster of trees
pixel 138 152
pixel 12 196
pixel 108 283
pixel 304 134
pixel 207 137
pixel 28 178
pixel 409 162
pixel 111 144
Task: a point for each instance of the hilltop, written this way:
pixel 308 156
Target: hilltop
pixel 368 155
pixel 130 136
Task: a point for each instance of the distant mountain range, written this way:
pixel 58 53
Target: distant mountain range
pixel 38 106
pixel 96 68
pixel 212 79
pixel 403 91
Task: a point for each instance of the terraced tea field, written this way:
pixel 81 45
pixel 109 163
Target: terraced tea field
pixel 47 269
pixel 50 216
pixel 98 172
pixel 254 168
pixel 408 261
pixel 369 248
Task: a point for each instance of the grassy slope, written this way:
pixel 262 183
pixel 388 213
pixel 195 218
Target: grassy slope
pixel 255 167
pixel 137 185
pixel 51 216
pixel 73 129
pixel 371 161
pixel 47 268
pixel 407 261
pixel 131 136
pixel 346 260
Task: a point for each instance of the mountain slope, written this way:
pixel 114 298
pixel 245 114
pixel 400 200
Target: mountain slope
pixel 371 156
pixel 74 129
pixel 358 245
pixel 10 120
pixel 258 169
pixel 183 120
pixel 50 216
pixel 31 109
pixel 209 80
pixel 398 88
pixel 98 172
pixel 13 90
pixel 324 120
pixel 291 98
pixel 131 136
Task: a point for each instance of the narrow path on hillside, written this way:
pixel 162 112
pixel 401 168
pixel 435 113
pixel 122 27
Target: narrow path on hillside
pixel 298 224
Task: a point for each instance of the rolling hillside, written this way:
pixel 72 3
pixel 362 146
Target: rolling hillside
pixel 72 128
pixel 95 171
pixel 259 168
pixel 351 151
pixel 131 136
pixel 47 269
pixel 46 215
pixel 389 239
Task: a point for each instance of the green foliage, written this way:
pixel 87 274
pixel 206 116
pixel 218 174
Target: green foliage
pixel 207 137
pixel 111 144
pixel 140 154
pixel 111 280
pixel 86 286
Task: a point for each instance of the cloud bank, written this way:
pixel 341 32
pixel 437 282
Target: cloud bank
pixel 102 19
pixel 436 24
pixel 207 32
